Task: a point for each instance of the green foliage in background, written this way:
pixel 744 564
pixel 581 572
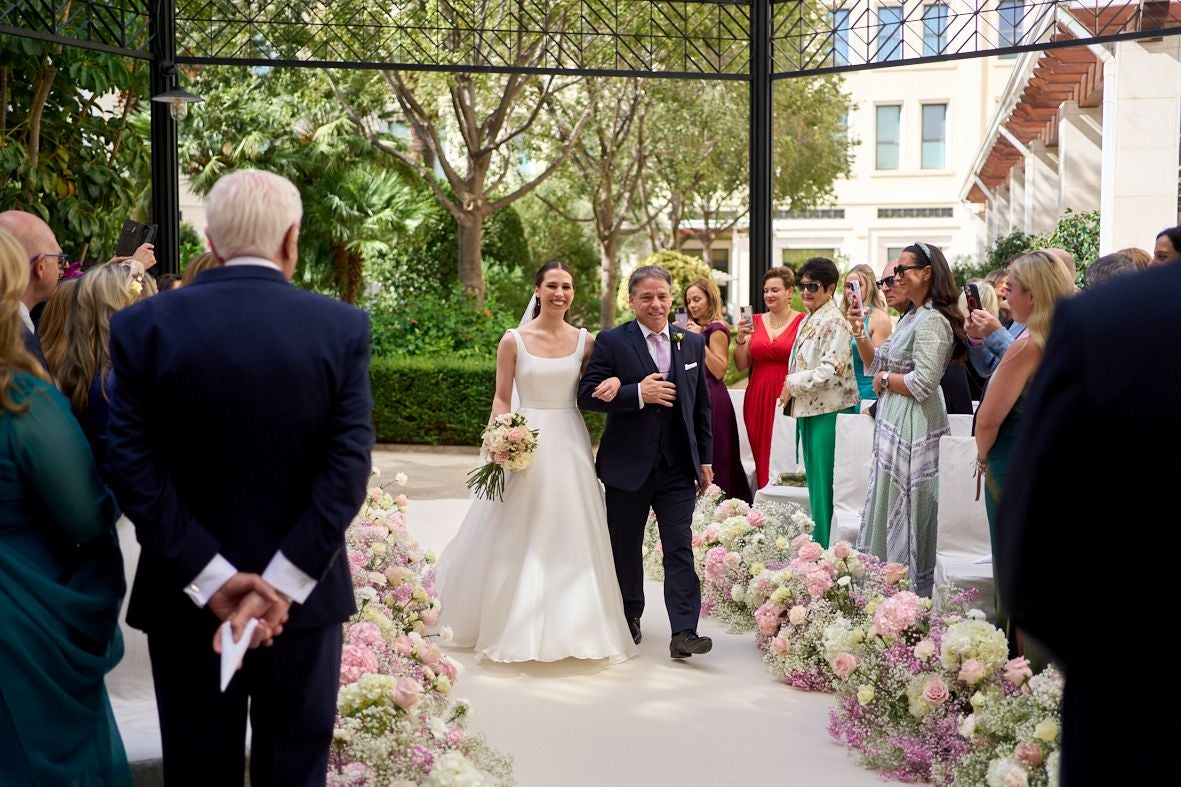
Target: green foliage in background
pixel 683 268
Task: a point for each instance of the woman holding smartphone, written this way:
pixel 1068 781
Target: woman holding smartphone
pixel 861 292
pixel 703 304
pixel 764 346
pixel 901 510
pixel 820 384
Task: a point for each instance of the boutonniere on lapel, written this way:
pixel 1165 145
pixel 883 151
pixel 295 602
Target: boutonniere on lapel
pixel 677 336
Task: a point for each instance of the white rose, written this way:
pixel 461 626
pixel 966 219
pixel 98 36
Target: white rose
pixel 968 725
pixel 924 650
pixel 737 594
pixel 400 479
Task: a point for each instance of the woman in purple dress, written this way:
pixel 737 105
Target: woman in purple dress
pixel 703 302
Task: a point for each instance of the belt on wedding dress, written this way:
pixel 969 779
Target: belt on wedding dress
pixel 569 403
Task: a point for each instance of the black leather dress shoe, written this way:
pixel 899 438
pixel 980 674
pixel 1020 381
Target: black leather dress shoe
pixel 633 625
pixel 686 643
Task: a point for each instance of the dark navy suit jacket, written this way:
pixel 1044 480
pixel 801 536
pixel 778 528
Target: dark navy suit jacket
pixel 628 448
pixel 241 424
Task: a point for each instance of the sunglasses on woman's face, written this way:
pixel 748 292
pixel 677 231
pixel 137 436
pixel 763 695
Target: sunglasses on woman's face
pixel 901 269
pixel 810 286
pixel 886 282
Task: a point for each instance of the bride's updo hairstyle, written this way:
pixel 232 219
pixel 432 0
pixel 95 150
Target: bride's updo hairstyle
pixel 552 265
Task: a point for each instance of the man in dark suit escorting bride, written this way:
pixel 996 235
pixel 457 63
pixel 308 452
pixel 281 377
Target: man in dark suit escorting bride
pixel 656 450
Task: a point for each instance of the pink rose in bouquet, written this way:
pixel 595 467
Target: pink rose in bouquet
pixel 767 618
pixel 841 550
pixel 447 667
pixel 407 693
pixel 798 614
pixel 403 645
pixel 756 518
pixel 844 664
pixel 430 616
pixel 894 573
pixel 1017 670
pixel 697 540
pixel 800 540
pixel 710 534
pixel 780 645
pixel 935 692
pixel 818 581
pixel 1029 754
pixel 811 552
pixel 972 672
pixel 732 560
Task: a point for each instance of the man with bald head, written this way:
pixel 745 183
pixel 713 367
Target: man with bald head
pixel 46 263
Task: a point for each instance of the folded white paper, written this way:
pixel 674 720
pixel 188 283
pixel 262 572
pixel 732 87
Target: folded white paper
pixel 232 652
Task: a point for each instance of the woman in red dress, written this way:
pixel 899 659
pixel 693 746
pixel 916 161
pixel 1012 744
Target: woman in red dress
pixel 764 346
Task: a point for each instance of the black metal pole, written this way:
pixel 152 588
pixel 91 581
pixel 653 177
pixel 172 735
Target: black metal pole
pixel 760 147
pixel 165 165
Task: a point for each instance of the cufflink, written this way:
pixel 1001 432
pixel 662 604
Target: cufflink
pixel 196 591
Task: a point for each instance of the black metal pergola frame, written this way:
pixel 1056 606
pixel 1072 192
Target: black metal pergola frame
pixel 754 41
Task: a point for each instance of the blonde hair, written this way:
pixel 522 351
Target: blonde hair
pixel 988 300
pixel 14 278
pixel 713 299
pixel 1044 275
pixel 104 290
pixel 248 212
pixel 198 264
pixel 54 328
pixel 870 294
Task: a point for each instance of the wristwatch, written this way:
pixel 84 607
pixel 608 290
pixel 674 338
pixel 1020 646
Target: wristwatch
pixel 883 382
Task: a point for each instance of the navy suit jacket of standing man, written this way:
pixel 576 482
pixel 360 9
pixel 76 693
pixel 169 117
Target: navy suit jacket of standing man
pixel 1104 407
pixel 241 433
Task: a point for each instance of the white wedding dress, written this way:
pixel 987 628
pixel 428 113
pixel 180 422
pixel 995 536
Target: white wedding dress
pixel 531 578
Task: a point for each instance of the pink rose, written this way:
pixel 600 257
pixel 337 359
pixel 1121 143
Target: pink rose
pixel 811 552
pixel 447 667
pixel 1017 670
pixel 732 560
pixel 407 693
pixel 894 572
pixel 797 615
pixel 842 549
pixel 971 672
pixel 454 736
pixel 696 540
pixel 756 518
pixel 800 540
pixel 430 654
pixel 515 434
pixel 1029 754
pixel 403 646
pixel 844 664
pixel 401 501
pixel 710 534
pixel 767 618
pixel 818 581
pixel 430 616
pixel 935 692
pixel 780 645
pixel 375 493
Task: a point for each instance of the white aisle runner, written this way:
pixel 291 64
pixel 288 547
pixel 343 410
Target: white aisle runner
pixel 718 719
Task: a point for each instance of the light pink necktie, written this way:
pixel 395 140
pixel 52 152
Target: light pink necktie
pixel 662 359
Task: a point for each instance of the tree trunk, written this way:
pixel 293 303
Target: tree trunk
pixel 707 245
pixel 608 280
pixel 471 266
pixel 354 271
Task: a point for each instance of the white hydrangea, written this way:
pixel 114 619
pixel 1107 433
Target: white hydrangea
pixel 1003 772
pixel 453 769
pixel 974 639
pixel 733 529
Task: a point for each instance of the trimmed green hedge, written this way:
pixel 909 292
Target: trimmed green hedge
pixel 438 401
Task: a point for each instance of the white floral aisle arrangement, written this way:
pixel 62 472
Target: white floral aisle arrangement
pixel 396 722
pixel 509 444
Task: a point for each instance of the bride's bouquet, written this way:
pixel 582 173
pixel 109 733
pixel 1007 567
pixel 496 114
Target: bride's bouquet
pixel 509 444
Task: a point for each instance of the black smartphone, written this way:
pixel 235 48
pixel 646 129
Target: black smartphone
pixel 134 235
pixel 972 293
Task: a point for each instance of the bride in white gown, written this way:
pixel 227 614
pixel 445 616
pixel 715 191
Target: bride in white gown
pixel 531 578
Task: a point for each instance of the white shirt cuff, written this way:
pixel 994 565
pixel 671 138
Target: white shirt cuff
pixel 285 577
pixel 640 397
pixel 214 575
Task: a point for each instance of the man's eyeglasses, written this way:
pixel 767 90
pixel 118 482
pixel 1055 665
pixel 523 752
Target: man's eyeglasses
pixel 901 269
pixel 886 282
pixel 810 286
pixel 63 260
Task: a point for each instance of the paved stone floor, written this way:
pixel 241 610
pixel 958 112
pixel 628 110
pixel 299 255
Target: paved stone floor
pixel 433 472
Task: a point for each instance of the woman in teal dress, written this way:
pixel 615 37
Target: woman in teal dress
pixel 61 576
pixel 876 320
pixel 900 521
pixel 1037 281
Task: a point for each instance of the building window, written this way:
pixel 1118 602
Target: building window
pixel 889 136
pixel 934 29
pixel 934 136
pixel 893 252
pixel 916 213
pixel 819 213
pixel 889 33
pixel 1011 13
pixel 840 36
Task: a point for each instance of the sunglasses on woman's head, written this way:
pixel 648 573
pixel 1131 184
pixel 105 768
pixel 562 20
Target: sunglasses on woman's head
pixel 810 286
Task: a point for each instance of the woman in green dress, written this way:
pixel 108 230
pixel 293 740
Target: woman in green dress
pixel 899 523
pixel 61 575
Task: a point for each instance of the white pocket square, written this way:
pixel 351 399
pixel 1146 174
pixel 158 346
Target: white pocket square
pixel 689 366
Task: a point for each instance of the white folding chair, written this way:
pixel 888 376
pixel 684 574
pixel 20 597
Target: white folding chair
pixel 961 425
pixel 963 555
pixel 851 474
pixel 737 398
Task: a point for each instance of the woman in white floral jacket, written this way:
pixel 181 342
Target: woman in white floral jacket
pixel 820 384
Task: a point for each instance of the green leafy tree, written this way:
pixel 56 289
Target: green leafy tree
pixel 73 141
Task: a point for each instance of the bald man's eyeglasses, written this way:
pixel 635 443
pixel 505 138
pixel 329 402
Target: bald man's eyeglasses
pixel 63 260
pixel 886 282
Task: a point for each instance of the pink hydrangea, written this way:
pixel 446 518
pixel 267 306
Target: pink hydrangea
pixel 818 581
pixel 715 564
pixel 898 613
pixel 356 661
pixel 356 561
pixel 366 635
